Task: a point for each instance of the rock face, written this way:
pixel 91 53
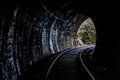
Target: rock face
pixel 28 34
pixel 87 33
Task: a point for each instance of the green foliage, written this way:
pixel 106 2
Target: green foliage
pixel 87 32
pixel 86 36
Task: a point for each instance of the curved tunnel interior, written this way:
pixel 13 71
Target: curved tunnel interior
pixel 30 33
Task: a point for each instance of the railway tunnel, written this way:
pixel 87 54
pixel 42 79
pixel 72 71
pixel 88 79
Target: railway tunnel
pixel 32 30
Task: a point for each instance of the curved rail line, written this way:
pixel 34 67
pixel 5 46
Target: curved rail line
pixel 82 52
pixel 54 61
pixel 66 51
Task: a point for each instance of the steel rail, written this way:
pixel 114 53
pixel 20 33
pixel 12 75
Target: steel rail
pixel 82 52
pixel 55 60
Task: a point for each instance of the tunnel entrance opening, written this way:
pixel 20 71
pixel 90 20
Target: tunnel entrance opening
pixel 86 34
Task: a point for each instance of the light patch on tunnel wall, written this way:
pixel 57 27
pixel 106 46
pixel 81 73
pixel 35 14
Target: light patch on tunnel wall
pixel 86 33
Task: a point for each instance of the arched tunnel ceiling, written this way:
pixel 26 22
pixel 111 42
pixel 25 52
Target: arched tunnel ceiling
pixel 94 9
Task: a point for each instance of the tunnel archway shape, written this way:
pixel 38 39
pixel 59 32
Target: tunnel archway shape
pixel 98 13
pixel 87 33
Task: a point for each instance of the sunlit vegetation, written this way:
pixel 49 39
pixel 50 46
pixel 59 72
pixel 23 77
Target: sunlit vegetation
pixel 86 33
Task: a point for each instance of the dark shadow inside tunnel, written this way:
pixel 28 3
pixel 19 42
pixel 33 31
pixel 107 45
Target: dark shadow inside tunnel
pixel 32 30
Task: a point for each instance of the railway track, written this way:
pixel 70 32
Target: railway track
pixel 66 66
pixel 88 71
pixel 39 70
pixel 69 64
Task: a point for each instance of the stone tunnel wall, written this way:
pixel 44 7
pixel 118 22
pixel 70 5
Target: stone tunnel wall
pixel 28 35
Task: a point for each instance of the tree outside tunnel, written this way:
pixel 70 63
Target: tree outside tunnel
pixel 86 33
